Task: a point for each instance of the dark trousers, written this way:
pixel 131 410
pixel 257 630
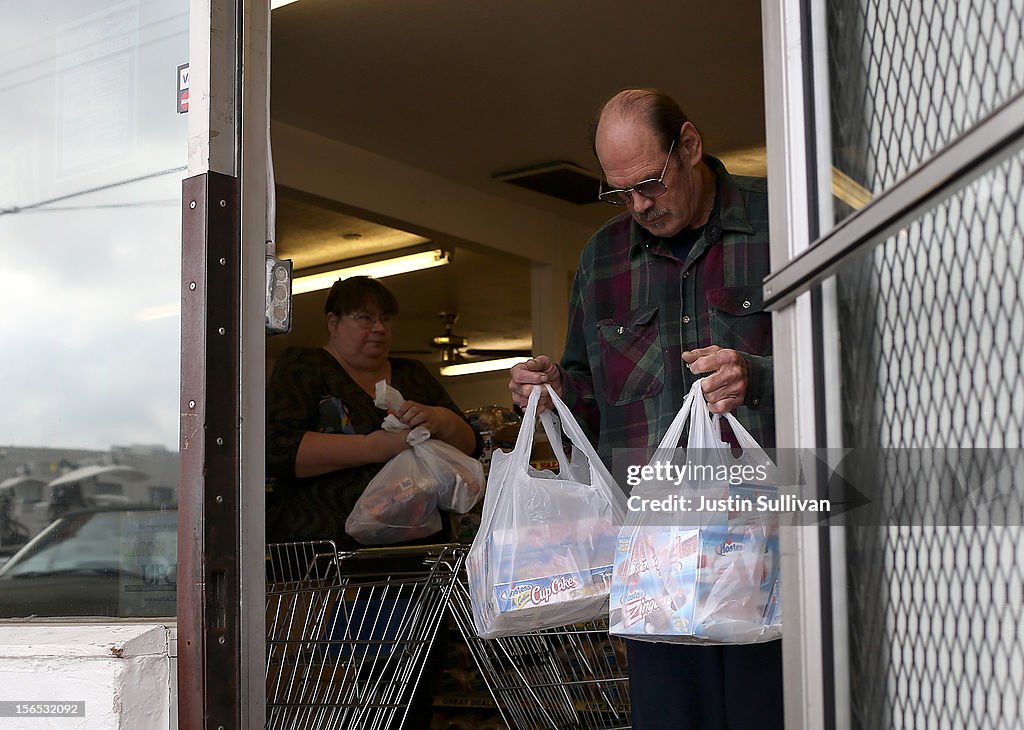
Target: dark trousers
pixel 680 687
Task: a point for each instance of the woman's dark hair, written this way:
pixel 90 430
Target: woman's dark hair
pixel 658 109
pixel 358 293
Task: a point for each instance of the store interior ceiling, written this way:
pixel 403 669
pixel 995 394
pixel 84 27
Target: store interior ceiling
pixel 470 91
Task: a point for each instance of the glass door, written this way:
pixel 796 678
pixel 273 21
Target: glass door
pixel 90 228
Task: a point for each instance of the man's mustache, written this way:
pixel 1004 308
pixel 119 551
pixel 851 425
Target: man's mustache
pixel 651 214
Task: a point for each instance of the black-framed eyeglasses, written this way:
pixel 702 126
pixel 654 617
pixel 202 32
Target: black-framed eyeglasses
pixel 367 320
pixel 653 188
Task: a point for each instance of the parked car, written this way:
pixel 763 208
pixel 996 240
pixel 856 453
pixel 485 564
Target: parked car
pixel 98 562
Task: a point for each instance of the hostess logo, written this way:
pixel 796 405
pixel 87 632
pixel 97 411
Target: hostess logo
pixel 633 596
pixel 730 546
pixel 518 595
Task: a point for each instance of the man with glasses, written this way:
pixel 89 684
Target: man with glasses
pixel 665 293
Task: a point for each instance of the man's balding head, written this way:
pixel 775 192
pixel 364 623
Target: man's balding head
pixel 642 108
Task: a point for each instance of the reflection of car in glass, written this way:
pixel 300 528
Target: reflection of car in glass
pixel 102 562
pixel 28 503
pixel 96 485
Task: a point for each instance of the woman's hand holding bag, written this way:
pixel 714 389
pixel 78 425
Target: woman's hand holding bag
pixel 401 502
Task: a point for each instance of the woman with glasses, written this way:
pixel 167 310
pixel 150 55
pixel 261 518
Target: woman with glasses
pixel 324 436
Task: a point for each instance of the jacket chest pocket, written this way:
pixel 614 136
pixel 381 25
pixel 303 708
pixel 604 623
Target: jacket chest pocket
pixel 632 361
pixel 738 320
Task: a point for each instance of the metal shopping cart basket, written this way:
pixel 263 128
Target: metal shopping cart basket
pixel 348 633
pixel 568 677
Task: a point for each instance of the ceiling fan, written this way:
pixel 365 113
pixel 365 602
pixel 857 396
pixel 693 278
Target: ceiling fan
pixel 455 348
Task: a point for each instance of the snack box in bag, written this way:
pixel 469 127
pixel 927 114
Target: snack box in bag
pixel 718 583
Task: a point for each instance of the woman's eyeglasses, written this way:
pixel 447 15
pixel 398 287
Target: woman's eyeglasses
pixel 366 320
pixel 653 188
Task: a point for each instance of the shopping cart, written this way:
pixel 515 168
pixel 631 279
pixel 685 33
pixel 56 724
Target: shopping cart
pixel 348 633
pixel 555 679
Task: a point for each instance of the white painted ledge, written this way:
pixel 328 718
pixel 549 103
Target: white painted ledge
pixel 124 673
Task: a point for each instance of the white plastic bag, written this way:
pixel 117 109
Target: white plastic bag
pixel 543 554
pixel 460 478
pixel 702 576
pixel 399 503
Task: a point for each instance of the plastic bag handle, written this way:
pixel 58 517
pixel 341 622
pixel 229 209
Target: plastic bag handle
pixel 527 427
pixel 675 430
pixel 752 451
pixel 579 439
pixel 743 437
pixel 553 430
pixel 524 443
pixel 705 426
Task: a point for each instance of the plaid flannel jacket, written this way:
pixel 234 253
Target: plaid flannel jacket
pixel 635 308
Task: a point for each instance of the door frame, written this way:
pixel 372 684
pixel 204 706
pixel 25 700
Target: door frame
pixel 221 546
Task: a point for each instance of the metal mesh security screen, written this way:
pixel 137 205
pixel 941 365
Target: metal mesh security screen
pixel 907 77
pixel 932 326
pixel 932 355
pixel 932 340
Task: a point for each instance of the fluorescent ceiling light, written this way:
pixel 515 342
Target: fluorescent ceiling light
pixel 274 4
pixel 482 366
pixel 376 269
